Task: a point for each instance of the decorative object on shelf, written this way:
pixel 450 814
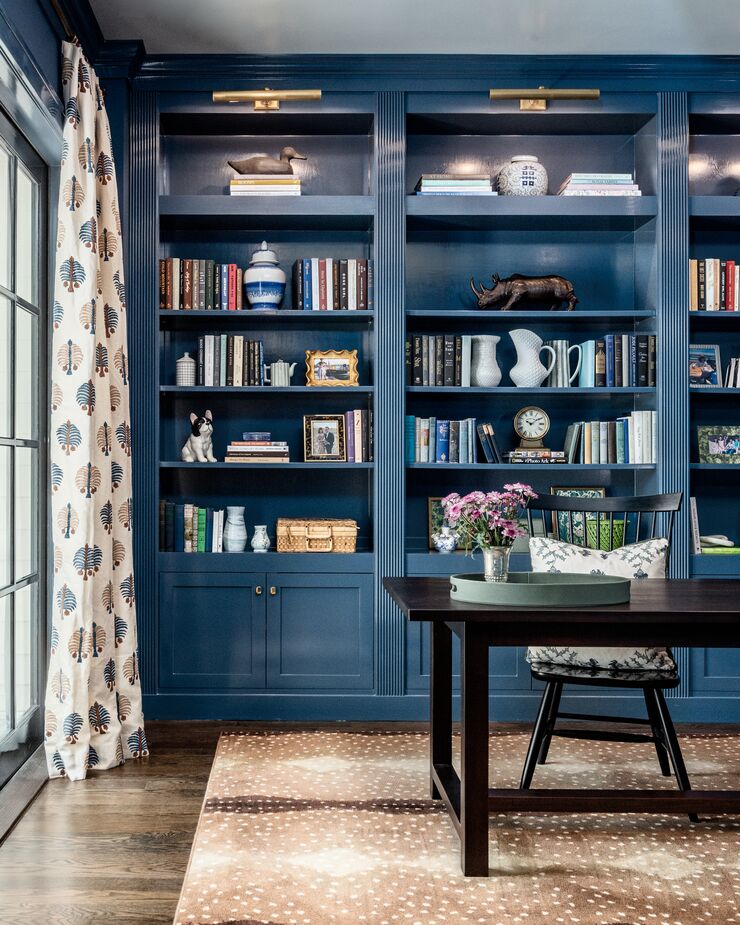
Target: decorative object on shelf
pixel 705 368
pixel 719 444
pixel 235 530
pixel 569 527
pixel 529 372
pixel 515 288
pixel 522 176
pixel 260 539
pixel 561 376
pixel 185 370
pixel 435 521
pixel 278 373
pixel 531 424
pixel 484 369
pixel 199 445
pixel 264 164
pixel 331 367
pixel 316 535
pixel 324 438
pixel 489 522
pixel 264 281
pixel 445 540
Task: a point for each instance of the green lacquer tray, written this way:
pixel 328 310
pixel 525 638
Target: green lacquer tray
pixel 541 589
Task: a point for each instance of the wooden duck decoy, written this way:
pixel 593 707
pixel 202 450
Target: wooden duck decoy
pixel 263 163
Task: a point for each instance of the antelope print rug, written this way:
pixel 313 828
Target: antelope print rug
pixel 337 828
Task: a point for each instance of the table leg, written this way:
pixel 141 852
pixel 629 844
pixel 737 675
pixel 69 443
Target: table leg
pixel 440 699
pixel 474 748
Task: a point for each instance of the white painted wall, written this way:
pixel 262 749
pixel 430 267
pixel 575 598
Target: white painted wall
pixel 433 26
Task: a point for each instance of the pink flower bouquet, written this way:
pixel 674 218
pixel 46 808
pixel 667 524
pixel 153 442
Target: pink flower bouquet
pixel 483 520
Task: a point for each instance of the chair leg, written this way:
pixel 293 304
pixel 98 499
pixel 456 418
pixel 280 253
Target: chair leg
pixel 654 717
pixel 551 720
pixel 671 743
pixel 535 743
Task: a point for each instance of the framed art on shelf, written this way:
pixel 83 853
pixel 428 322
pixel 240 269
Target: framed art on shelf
pixel 435 519
pixel 720 444
pixel 331 367
pixel 560 519
pixel 705 368
pixel 323 438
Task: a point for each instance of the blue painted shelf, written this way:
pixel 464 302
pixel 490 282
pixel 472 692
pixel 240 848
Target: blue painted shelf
pixel 286 466
pixel 537 467
pixel 296 213
pixel 719 209
pixel 722 467
pixel 265 390
pixel 246 319
pixel 361 561
pixel 532 213
pixel 513 317
pixel 715 566
pixel 716 317
pixel 544 391
pixel 698 390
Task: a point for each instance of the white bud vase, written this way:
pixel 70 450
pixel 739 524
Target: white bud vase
pixel 529 373
pixel 260 540
pixel 235 530
pixel 484 369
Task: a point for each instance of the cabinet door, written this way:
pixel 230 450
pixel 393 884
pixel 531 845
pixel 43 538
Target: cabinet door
pixel 320 632
pixel 211 631
pixel 715 671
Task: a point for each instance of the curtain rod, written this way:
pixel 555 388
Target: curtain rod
pixel 61 16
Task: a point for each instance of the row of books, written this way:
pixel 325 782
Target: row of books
pixel 190 528
pixel 732 376
pixel 599 184
pixel 629 439
pixel 230 360
pixel 714 285
pixel 199 284
pixel 438 359
pixel 265 184
pixel 329 284
pixel 257 447
pixel 619 361
pixel 432 440
pixel 455 184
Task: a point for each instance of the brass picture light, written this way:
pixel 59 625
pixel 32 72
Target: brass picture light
pixel 534 100
pixel 264 100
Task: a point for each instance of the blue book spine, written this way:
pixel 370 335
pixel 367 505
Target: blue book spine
pixel 432 438
pixel 410 439
pixel 224 286
pixel 442 442
pixel 609 341
pixel 179 528
pixel 307 283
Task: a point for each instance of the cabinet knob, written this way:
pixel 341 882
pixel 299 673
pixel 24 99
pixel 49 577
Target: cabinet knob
pixel 273 591
pixel 258 590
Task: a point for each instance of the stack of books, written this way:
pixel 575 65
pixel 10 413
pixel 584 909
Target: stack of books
pixel 265 184
pixel 190 528
pixel 629 439
pixel 329 284
pixel 455 184
pixel 487 438
pixel 230 360
pixel 714 285
pixel 432 440
pixel 619 361
pixel 257 447
pixel 543 457
pixel 599 184
pixel 438 359
pixel 199 284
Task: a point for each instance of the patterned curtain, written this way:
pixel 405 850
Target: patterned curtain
pixel 93 696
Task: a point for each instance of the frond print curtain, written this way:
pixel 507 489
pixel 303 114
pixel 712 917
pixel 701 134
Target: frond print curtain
pixel 93 696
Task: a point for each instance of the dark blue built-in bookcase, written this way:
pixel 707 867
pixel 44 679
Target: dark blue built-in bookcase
pixel 314 636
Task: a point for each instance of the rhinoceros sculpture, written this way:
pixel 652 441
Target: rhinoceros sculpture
pixel 515 288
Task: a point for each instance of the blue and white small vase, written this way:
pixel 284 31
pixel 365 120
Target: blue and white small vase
pixel 445 540
pixel 260 540
pixel 264 281
pixel 522 176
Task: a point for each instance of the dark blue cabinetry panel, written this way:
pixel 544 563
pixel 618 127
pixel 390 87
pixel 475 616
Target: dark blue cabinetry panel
pixel 715 671
pixel 320 632
pixel 211 631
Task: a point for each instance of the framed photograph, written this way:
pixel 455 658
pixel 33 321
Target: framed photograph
pixel 705 368
pixel 560 518
pixel 331 367
pixel 435 519
pixel 720 444
pixel 323 438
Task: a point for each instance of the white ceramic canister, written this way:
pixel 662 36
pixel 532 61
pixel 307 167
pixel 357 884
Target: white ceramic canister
pixel 264 281
pixel 522 176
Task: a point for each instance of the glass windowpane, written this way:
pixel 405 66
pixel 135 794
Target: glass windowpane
pixel 5 723
pixel 26 511
pixel 26 231
pixel 25 622
pixel 6 366
pixel 6 222
pixel 5 545
pixel 26 375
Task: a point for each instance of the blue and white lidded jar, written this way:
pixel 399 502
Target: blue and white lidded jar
pixel 522 176
pixel 264 281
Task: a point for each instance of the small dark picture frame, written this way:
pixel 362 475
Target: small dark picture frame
pixel 323 438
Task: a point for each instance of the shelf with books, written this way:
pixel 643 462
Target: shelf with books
pixel 512 318
pixel 544 391
pixel 197 466
pixel 550 467
pixel 265 391
pixel 264 213
pixel 296 320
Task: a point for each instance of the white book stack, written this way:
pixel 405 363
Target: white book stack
pixel 599 184
pixel 261 184
pixel 454 184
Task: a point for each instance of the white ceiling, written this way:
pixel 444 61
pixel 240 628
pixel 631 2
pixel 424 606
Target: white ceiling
pixel 425 26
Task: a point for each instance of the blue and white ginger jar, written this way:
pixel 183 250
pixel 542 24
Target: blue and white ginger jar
pixel 522 176
pixel 264 281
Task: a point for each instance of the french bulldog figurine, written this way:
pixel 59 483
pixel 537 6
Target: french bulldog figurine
pixel 199 445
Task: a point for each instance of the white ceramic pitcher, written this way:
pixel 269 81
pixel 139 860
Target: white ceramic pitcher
pixel 529 373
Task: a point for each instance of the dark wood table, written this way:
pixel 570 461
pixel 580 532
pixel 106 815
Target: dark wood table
pixel 676 613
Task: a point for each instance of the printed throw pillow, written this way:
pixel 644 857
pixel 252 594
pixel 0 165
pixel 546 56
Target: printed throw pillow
pixel 637 561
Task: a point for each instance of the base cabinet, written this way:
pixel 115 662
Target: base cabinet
pixel 265 631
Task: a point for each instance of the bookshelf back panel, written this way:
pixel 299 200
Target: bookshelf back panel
pixel 716 493
pixel 714 165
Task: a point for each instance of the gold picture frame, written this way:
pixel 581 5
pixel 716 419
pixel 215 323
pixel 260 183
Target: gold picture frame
pixel 332 368
pixel 323 438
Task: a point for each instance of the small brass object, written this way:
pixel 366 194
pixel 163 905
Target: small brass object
pixel 535 100
pixel 266 100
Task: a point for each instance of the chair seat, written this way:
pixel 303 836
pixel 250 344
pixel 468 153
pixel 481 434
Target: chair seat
pixel 605 677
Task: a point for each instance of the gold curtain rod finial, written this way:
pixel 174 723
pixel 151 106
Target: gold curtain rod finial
pixel 265 100
pixel 535 100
